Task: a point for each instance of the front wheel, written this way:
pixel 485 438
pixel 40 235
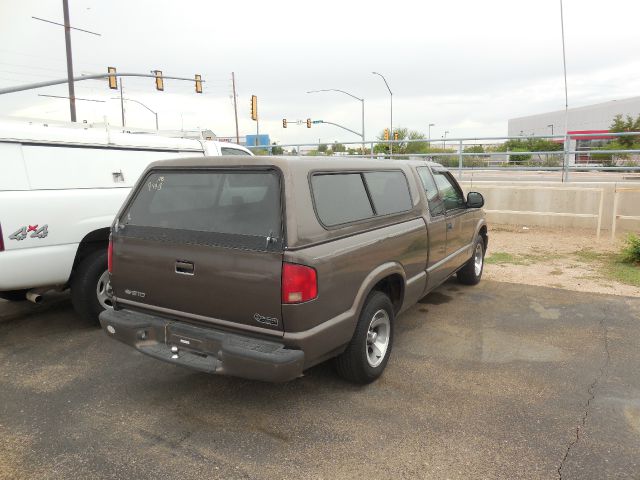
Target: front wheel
pixel 367 354
pixel 471 273
pixel 90 287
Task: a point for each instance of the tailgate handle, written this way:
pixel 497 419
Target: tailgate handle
pixel 184 268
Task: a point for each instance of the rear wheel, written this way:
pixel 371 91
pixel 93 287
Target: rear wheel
pixel 90 287
pixel 471 273
pixel 367 354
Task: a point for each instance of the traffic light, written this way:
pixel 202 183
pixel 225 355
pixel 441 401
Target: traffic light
pixel 284 123
pixel 395 135
pixel 386 134
pixel 308 123
pixel 113 80
pixel 254 107
pixel 159 80
pixel 198 84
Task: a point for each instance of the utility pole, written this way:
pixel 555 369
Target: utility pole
pixel 235 105
pixel 67 41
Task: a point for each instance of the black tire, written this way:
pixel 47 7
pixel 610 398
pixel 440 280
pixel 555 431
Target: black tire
pixel 468 275
pixel 353 364
pixel 84 286
pixel 14 295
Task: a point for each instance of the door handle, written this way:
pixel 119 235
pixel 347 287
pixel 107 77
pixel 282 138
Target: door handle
pixel 184 268
pixel 449 226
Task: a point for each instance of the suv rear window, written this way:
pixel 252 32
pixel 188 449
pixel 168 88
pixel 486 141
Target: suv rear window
pixel 227 202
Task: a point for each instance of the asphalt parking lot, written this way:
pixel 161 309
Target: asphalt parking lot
pixel 494 381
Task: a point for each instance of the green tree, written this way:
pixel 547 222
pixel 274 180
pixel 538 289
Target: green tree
pixel 403 147
pixel 276 149
pixel 338 147
pixel 628 142
pixel 620 125
pixel 322 148
pixel 528 145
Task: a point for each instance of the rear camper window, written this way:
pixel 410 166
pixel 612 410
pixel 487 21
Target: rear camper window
pixel 221 202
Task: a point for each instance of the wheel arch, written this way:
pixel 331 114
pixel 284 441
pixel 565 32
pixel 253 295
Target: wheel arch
pixel 92 242
pixel 389 278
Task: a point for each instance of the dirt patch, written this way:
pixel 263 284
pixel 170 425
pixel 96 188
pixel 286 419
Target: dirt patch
pixel 568 259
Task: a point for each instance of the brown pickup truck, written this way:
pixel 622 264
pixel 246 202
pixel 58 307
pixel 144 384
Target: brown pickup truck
pixel 261 267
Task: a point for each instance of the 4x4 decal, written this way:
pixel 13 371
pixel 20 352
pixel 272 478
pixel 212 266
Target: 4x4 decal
pixel 23 232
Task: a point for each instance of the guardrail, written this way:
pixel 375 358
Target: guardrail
pixel 615 216
pixel 451 151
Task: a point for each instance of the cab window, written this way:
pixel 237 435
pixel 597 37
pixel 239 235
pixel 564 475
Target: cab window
pixel 434 200
pixel 451 193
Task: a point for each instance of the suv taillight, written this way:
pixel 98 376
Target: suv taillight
pixel 1 240
pixel 110 255
pixel 299 283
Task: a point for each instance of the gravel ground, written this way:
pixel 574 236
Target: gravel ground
pixel 566 259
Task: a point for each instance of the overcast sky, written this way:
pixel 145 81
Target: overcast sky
pixel 465 65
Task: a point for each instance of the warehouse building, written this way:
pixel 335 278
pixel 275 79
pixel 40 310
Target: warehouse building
pixel 595 119
pixel 588 119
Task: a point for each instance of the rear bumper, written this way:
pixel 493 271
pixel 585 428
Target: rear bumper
pixel 205 349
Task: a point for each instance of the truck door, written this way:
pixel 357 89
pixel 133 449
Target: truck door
pixel 436 273
pixel 455 208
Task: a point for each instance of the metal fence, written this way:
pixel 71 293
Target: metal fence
pixel 489 153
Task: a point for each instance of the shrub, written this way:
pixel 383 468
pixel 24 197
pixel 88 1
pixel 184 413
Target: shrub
pixel 631 250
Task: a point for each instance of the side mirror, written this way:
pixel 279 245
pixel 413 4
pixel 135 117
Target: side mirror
pixel 475 200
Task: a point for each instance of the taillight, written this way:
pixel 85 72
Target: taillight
pixel 110 255
pixel 299 283
pixel 1 240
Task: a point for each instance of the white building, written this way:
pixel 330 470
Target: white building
pixel 590 119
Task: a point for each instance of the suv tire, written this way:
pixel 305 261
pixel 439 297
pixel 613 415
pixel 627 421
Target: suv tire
pixel 367 354
pixel 471 273
pixel 90 290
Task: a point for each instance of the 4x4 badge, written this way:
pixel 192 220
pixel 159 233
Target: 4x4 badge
pixel 22 232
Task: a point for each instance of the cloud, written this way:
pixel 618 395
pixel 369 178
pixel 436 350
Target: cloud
pixel 464 65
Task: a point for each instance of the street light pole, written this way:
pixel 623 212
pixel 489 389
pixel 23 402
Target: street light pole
pixel 429 130
pixel 551 125
pixel 444 138
pixel 353 96
pixel 565 172
pixel 122 100
pixel 391 95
